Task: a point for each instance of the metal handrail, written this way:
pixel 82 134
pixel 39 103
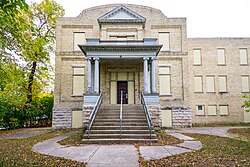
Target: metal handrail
pixel 121 116
pixel 145 109
pixel 94 112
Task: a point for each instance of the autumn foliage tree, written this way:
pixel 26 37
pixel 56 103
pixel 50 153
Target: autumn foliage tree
pixel 27 42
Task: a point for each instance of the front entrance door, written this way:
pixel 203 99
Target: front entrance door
pixel 122 86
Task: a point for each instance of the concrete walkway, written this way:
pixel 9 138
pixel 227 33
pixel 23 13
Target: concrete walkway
pixel 217 131
pixel 126 155
pixel 113 155
pixel 93 155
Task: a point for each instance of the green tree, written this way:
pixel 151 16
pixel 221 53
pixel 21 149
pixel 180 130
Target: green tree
pixel 39 41
pixel 27 41
pixel 246 104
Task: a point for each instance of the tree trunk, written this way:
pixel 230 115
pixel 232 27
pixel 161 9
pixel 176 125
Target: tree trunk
pixel 31 79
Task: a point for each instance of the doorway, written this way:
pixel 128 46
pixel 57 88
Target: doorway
pixel 122 86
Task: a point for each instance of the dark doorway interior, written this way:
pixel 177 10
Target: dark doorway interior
pixel 122 86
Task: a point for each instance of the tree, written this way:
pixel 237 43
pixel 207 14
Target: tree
pixel 27 41
pixel 39 41
pixel 246 104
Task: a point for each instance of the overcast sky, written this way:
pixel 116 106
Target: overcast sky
pixel 205 18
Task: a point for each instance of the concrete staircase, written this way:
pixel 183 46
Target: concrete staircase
pixel 106 128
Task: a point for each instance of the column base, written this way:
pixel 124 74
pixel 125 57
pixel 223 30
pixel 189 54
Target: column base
pixel 152 99
pixel 90 99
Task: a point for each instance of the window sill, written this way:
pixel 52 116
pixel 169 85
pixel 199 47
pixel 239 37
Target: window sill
pixel 76 95
pixel 244 64
pixel 200 115
pixel 165 95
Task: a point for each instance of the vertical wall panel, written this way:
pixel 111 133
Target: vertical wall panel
pixel 222 83
pixel 221 56
pixel 164 40
pixel 197 56
pixel 210 84
pixel 243 56
pixel 79 38
pixel 245 83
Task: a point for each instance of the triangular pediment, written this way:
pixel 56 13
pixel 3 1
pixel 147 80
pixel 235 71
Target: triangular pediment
pixel 121 14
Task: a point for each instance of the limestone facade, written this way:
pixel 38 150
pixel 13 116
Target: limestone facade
pixel 174 66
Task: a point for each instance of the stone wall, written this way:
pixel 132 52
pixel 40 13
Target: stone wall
pixel 87 109
pixel 181 116
pixel 61 118
pixel 155 114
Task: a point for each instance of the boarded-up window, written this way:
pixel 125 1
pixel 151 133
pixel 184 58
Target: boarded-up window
pixel 211 110
pixel 243 57
pixel 222 83
pixel 198 84
pixel 78 81
pixel 223 109
pixel 79 38
pixel 164 40
pixel 210 84
pixel 200 110
pixel 245 83
pixel 221 56
pixel 166 118
pixel 76 119
pixel 197 56
pixel 165 79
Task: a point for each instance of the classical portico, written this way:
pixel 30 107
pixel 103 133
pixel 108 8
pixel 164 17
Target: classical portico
pixel 98 51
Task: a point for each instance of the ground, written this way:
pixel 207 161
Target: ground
pixel 18 152
pixel 216 151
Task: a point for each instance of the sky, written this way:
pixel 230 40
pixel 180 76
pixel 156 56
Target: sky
pixel 205 18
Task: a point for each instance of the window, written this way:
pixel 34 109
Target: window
pixel 223 109
pixel 78 81
pixel 164 77
pixel 211 110
pixel 243 57
pixel 164 40
pixel 200 110
pixel 245 83
pixel 197 56
pixel 210 84
pixel 79 38
pixel 221 56
pixel 222 83
pixel 198 84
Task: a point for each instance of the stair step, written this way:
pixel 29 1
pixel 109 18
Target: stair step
pixel 117 141
pixel 118 120
pixel 118 123
pixel 123 136
pixel 95 127
pixel 118 131
pixel 118 117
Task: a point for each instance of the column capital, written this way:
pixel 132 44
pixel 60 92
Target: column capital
pixel 153 58
pixel 145 58
pixel 96 58
pixel 88 58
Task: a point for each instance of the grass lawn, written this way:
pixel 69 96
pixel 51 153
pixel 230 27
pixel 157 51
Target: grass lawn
pixel 242 133
pixel 216 151
pixel 17 152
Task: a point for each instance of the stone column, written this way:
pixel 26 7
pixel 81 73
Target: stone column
pixel 153 75
pixel 145 70
pixel 96 84
pixel 89 76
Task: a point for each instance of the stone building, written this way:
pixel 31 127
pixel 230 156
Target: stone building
pixel 137 49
